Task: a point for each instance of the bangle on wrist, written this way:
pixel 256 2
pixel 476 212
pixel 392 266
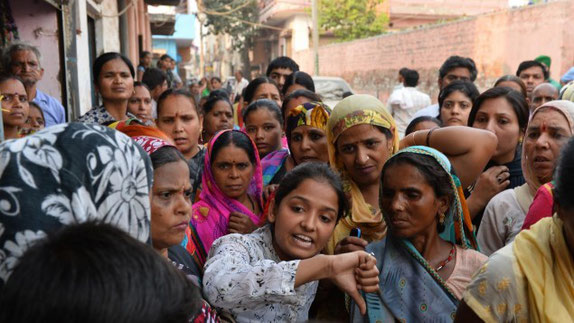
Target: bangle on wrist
pixel 429 135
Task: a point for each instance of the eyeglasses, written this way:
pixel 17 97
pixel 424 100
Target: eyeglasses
pixel 9 98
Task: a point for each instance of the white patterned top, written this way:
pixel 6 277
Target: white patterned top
pixel 245 277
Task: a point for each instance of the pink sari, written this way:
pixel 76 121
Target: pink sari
pixel 210 215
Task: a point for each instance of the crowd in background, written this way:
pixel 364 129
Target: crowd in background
pixel 254 201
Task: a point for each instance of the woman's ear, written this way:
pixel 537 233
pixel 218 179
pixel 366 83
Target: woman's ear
pixel 443 204
pixel 272 216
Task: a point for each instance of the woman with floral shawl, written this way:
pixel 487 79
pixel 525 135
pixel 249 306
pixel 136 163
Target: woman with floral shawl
pixel 424 268
pixel 238 172
pixel 70 173
pixel 313 116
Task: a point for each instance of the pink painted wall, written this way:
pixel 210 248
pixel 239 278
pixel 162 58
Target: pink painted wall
pixel 497 42
pixel 36 15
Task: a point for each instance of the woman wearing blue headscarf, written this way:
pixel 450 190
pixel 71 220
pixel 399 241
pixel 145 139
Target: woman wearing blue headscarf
pixel 426 260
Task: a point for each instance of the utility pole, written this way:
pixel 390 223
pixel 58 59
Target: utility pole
pixel 315 18
pixel 201 48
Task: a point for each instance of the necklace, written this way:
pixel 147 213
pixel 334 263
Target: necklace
pixel 451 255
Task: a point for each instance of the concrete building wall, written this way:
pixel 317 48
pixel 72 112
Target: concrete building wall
pixel 37 24
pixel 108 27
pixel 497 42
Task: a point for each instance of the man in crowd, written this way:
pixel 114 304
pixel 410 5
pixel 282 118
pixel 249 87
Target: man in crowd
pixel 195 89
pixel 547 61
pixel 164 64
pixel 177 82
pixel 454 68
pixel 240 84
pixel 541 94
pixel 406 101
pixel 280 68
pixel 156 81
pixel 532 73
pixel 23 61
pixel 145 63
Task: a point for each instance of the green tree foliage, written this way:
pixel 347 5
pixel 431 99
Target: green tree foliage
pixel 352 19
pixel 232 17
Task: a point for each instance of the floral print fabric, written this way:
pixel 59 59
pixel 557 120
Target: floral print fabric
pixel 70 173
pixel 99 115
pixel 244 276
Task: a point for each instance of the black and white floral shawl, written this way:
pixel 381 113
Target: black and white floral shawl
pixel 70 173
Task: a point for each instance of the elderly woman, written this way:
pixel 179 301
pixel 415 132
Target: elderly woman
pixel 424 269
pixel 530 280
pixel 549 128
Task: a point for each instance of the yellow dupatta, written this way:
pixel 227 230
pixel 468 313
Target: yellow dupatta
pixel 548 269
pixel 353 111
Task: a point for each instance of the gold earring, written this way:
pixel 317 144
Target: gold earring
pixel 441 217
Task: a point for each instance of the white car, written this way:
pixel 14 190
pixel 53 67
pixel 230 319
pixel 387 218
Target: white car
pixel 331 89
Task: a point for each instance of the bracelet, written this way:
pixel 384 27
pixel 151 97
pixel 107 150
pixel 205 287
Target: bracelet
pixel 429 135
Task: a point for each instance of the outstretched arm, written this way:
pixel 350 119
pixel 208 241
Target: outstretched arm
pixel 468 149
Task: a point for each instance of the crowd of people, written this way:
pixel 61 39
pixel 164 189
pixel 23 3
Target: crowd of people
pixel 254 201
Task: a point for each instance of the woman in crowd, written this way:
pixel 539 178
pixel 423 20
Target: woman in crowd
pixel 530 280
pixel 514 82
pixel 264 124
pixel 361 136
pixel 422 123
pixel 504 112
pixel 179 118
pixel 297 81
pixel 114 80
pixel 271 274
pixel 35 121
pixel 15 106
pixel 140 104
pixel 262 88
pixel 296 99
pixel 306 127
pixel 217 115
pixel 424 268
pixel 53 178
pixel 171 210
pixel 455 102
pixel 549 128
pixel 230 201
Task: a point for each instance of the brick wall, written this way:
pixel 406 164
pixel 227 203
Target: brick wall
pixel 497 42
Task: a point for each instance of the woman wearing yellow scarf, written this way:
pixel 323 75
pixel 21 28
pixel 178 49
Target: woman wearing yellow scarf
pixel 361 135
pixel 532 279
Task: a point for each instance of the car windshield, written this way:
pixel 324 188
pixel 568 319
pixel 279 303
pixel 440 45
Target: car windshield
pixel 331 89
